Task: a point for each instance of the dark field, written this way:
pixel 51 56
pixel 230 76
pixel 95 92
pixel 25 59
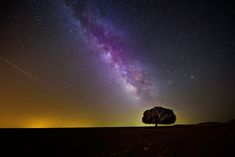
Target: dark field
pixel 185 140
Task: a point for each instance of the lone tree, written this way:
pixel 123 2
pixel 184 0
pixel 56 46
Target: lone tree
pixel 158 115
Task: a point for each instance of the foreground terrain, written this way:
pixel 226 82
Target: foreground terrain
pixel 182 140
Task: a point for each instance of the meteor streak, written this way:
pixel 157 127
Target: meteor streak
pixel 22 70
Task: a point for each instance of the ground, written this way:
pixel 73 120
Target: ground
pixel 207 139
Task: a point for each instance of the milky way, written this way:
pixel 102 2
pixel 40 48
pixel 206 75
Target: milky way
pixel 106 42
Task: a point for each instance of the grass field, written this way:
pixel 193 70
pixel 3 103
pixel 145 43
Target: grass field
pixel 180 140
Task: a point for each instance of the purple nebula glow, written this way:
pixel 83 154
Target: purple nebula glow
pixel 104 41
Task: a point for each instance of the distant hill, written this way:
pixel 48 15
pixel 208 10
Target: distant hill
pixel 217 123
pixel 232 121
pixel 210 123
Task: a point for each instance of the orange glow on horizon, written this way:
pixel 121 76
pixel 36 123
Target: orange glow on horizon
pixel 44 122
pixel 53 123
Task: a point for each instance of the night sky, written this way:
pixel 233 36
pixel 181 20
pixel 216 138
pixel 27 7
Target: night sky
pixel 93 63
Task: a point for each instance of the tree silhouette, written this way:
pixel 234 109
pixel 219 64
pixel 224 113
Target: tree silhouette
pixel 158 115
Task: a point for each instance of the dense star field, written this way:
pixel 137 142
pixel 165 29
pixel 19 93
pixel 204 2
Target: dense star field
pixel 93 63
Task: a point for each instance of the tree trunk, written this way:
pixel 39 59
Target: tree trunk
pixel 155 124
